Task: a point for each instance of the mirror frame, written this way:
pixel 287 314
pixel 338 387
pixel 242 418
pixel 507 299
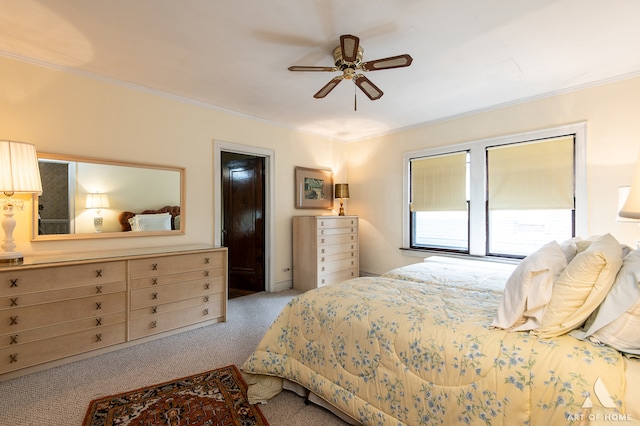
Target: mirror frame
pixel 71 158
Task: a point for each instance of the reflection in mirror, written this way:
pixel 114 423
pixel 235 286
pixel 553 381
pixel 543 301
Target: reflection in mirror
pixel 92 198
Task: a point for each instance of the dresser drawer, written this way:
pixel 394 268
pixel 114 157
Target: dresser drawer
pixel 336 222
pixel 42 297
pixel 174 306
pixel 60 277
pixel 13 320
pixel 338 231
pixel 30 354
pixel 336 266
pixel 338 248
pixel 153 324
pixel 158 295
pixel 156 280
pixel 337 277
pixel 337 239
pixel 41 333
pixel 154 266
pixel 326 258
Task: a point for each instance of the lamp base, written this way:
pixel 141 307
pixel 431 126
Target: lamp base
pixel 11 258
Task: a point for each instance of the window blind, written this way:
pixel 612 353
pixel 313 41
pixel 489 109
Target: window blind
pixel 439 183
pixel 531 176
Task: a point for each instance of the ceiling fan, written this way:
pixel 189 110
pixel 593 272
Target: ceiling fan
pixel 348 59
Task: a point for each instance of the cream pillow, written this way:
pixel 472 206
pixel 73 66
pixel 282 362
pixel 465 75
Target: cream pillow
pixel 581 287
pixel 617 321
pixel 528 289
pixel 152 222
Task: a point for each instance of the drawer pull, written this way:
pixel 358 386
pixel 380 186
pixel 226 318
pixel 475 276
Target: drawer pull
pixel 322 232
pixel 13 320
pixel 323 281
pixel 206 286
pixel 98 289
pixel 98 273
pixel 98 322
pixel 322 251
pixel 14 339
pixel 322 269
pixel 153 324
pixel 99 337
pixel 98 306
pixel 154 281
pixel 205 312
pixel 206 260
pixel 154 266
pixel 154 309
pixel 205 299
pixel 14 282
pixel 352 263
pixel 322 240
pixel 154 295
pixel 206 273
pixel 322 259
pixel 352 237
pixel 13 358
pixel 14 301
pixel 322 223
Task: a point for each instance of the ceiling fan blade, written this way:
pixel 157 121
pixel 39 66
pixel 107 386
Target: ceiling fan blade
pixel 387 63
pixel 369 89
pixel 328 87
pixel 349 46
pixel 311 68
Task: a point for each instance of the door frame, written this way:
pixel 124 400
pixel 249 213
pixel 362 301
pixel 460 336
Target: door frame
pixel 269 156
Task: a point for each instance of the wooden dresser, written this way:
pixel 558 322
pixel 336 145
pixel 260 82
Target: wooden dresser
pixel 58 309
pixel 325 250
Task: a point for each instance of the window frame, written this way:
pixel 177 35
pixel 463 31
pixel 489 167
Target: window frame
pixel 478 175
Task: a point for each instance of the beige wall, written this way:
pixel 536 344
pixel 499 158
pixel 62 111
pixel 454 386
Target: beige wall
pixel 611 112
pixel 67 113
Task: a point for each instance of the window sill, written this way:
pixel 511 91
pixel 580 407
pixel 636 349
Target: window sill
pixel 425 253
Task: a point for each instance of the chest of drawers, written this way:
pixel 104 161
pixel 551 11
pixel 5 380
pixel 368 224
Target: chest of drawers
pixel 325 250
pixel 171 292
pixel 54 310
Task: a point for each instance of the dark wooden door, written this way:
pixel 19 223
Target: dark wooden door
pixel 243 221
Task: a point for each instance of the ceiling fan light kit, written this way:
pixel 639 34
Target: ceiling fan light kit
pixel 348 60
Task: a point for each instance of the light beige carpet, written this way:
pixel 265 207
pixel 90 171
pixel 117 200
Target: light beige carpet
pixel 60 396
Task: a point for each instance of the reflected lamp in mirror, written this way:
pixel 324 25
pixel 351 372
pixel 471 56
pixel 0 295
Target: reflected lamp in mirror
pixel 631 207
pixel 19 173
pixel 341 191
pixel 97 201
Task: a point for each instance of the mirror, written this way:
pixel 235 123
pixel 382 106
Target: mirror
pixel 92 198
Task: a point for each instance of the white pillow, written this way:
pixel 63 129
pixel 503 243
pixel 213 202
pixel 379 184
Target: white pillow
pixel 582 286
pixel 152 222
pixel 528 289
pixel 617 321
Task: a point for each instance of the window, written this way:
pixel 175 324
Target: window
pixel 500 197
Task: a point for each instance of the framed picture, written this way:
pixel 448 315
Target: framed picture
pixel 314 188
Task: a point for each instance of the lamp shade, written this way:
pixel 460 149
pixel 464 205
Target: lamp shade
pixel 631 208
pixel 19 170
pixel 97 201
pixel 341 190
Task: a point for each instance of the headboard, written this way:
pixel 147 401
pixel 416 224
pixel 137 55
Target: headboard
pixel 124 217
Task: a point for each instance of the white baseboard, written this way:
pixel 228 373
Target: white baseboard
pixel 283 285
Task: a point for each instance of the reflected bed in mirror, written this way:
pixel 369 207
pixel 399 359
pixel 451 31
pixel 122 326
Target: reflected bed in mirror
pixel 89 198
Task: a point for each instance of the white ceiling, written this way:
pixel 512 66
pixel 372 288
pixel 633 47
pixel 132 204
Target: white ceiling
pixel 468 55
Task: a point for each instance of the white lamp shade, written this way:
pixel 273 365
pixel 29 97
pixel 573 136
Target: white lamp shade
pixel 631 208
pixel 97 201
pixel 19 170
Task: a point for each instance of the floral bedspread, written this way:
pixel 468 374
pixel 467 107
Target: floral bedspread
pixel 395 352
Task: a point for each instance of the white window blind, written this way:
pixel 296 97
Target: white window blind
pixel 438 183
pixel 531 176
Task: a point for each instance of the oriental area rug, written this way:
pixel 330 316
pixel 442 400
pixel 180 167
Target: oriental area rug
pixel 217 397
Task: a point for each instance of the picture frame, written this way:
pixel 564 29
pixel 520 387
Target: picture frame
pixel 314 188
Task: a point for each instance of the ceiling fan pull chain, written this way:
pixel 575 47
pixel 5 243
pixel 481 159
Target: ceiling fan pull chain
pixel 355 98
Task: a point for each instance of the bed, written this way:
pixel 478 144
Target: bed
pixel 449 341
